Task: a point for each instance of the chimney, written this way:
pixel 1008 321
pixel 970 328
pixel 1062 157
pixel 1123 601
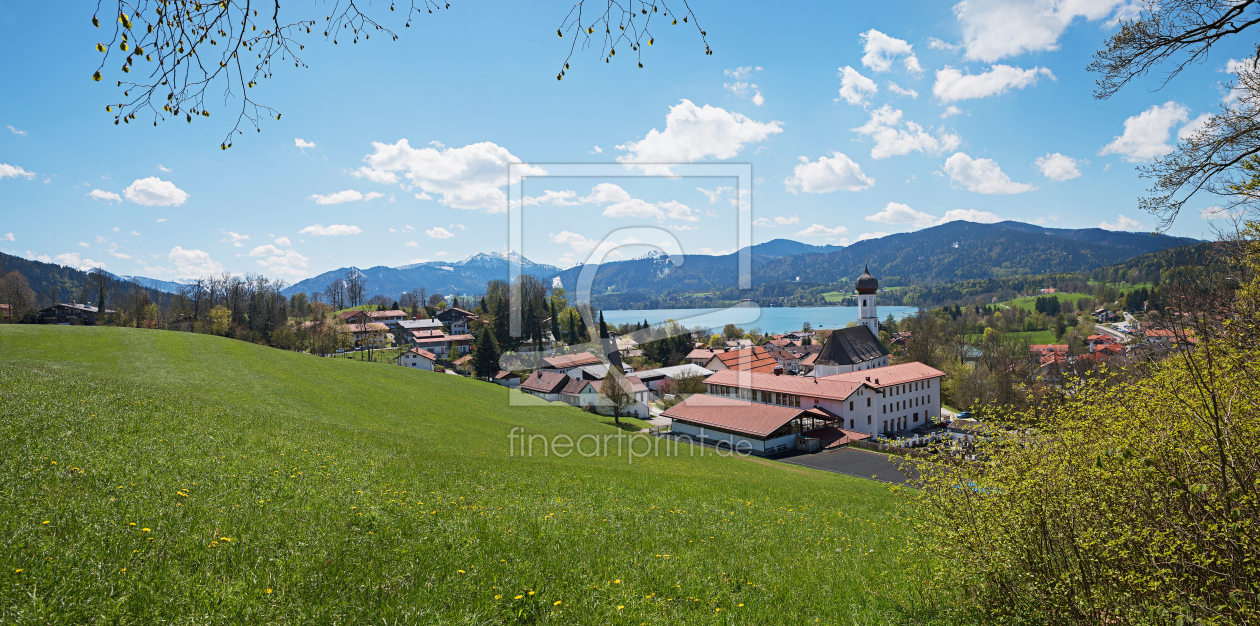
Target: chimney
pixel 868 379
pixel 876 381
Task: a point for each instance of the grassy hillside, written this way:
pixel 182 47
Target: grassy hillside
pixel 151 476
pixel 1030 303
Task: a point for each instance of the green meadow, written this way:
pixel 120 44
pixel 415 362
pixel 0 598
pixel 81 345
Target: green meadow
pixel 159 477
pixel 1030 303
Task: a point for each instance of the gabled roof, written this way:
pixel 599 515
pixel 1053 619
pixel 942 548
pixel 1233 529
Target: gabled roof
pixel 1048 347
pixel 544 381
pixel 675 371
pixel 420 352
pixel 454 313
pixel 754 359
pixel 569 361
pixel 503 374
pixel 850 346
pixel 702 353
pixel 882 377
pixel 391 313
pixel 575 386
pixel 795 385
pixel 734 415
pixel 421 324
pixel 811 359
pixel 363 328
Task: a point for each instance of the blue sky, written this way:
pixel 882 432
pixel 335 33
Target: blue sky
pixel 858 119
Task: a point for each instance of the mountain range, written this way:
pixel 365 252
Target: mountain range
pixel 459 277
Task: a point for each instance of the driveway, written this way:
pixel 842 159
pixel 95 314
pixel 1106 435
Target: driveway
pixel 855 462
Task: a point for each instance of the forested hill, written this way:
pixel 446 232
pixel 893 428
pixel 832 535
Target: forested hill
pixel 57 283
pixel 946 253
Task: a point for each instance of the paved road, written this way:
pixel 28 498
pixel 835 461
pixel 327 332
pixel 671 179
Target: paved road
pixel 855 462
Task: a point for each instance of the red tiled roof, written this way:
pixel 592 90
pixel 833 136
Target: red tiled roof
pixel 363 328
pixel 795 385
pixel 567 361
pixel 754 359
pixel 1048 347
pixel 576 385
pixel 544 381
pixel 734 415
pixel 809 360
pixel 460 337
pixel 882 377
pixel 503 374
pixel 393 313
pixel 423 353
pixel 701 353
pixel 1112 348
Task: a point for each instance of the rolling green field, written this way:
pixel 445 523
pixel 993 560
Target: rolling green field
pixel 159 477
pixel 1029 303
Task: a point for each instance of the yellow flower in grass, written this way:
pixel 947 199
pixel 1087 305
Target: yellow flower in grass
pixel 145 529
pixel 460 571
pixel 531 593
pixel 17 571
pixel 621 606
pixel 518 597
pixel 497 597
pixel 45 521
pixel 556 603
pixel 268 591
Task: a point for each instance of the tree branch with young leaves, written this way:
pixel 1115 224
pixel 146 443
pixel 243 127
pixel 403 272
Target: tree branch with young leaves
pixel 1170 36
pixel 183 59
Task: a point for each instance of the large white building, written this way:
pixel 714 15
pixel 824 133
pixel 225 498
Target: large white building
pixel 764 413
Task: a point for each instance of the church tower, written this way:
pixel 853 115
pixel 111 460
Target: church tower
pixel 867 285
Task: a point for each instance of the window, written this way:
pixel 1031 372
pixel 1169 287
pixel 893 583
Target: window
pixel 850 423
pixel 868 420
pixel 868 402
pixel 916 417
pixel 850 405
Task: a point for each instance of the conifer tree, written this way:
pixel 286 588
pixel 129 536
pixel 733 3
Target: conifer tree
pixel 486 354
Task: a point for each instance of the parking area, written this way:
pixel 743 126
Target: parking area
pixel 855 462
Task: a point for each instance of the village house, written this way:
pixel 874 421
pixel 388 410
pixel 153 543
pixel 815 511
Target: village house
pixel 427 324
pixel 458 319
pixel 418 358
pixel 389 318
pixel 567 363
pixel 585 394
pixel 511 380
pixel 701 355
pixel 73 313
pixel 754 359
pixel 654 378
pixel 353 316
pixel 1101 314
pixel 442 344
pixel 371 335
pixel 1046 349
pixel 546 384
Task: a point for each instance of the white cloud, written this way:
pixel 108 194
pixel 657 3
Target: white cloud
pixel 901 91
pixel 678 211
pixel 1146 134
pixel 1193 127
pixel 694 133
pixel 558 198
pixel 606 192
pixel 875 235
pixel 633 207
pixel 1122 223
pixel 757 99
pixel 84 244
pixel 412 244
pixel 193 263
pixel 16 131
pixel 579 243
pixel 39 257
pixel 828 174
pixel 423 196
pixel 897 213
pixel 332 230
pixel 160 220
pixel 969 215
pixel 763 222
pixel 738 88
pixel 784 221
pixel 283 241
pixel 937 44
pixel 982 175
pixel 994 29
pixel 265 250
pixel 136 233
pixel 72 259
pixel 455 226
pixel 348 195
pixel 855 88
pixel 881 49
pixel 597 150
pixel 108 196
pixel 234 238
pixel 951 111
pixel 1058 167
pixel 13 171
pixel 437 232
pixel 714 194
pixel 8 237
pixel 303 144
pixel 739 73
pixel 892 137
pixel 288 263
pixel 818 230
pixel 163 168
pixel 1210 213
pixel 153 191
pixel 469 178
pixel 952 85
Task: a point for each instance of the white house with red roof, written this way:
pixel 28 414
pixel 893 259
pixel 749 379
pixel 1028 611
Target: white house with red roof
pixel 872 402
pixel 418 358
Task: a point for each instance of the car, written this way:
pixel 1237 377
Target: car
pixel 340 350
pixel 965 415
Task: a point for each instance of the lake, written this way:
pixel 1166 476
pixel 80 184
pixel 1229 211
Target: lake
pixel 768 320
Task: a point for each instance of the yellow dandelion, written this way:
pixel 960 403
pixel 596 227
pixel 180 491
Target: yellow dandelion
pixel 123 570
pixel 497 597
pixel 556 603
pixel 131 524
pixel 17 571
pixel 145 529
pixel 268 591
pixel 518 597
pixel 45 521
pixel 617 582
pixel 460 571
pixel 225 538
pixel 531 593
pixel 620 606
